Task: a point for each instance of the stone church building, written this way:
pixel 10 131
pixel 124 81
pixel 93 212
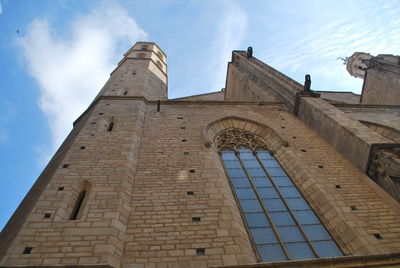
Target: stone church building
pixel 265 173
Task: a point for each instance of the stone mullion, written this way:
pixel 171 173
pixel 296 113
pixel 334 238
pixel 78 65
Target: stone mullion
pixel 240 208
pixel 264 208
pixel 288 208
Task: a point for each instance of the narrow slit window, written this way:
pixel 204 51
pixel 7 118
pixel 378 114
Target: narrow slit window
pixel 281 223
pixel 110 126
pixel 78 205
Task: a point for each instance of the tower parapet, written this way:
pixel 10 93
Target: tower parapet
pixel 141 73
pixel 358 63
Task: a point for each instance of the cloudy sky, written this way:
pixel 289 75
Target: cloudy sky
pixel 56 55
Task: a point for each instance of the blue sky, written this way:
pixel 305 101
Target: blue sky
pixel 56 55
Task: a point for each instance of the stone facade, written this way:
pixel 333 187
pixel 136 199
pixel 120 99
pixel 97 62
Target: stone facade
pixel 139 181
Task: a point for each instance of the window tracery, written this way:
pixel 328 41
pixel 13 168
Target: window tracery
pixel 280 222
pixel 235 138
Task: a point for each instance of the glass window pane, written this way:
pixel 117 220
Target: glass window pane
pixel 232 164
pixel 236 172
pixel 299 251
pixel 250 206
pixel 245 193
pixel 289 192
pixel 306 217
pixel 265 155
pixel 247 156
pixel 274 204
pixel 257 220
pixel 262 182
pixel 326 249
pixel 251 164
pixel 290 234
pixel 282 181
pixel 267 193
pixel 297 203
pixel 271 253
pixel 281 218
pixel 270 163
pixel 240 182
pixel 228 155
pixel 316 232
pixel 256 172
pixel 263 235
pixel 276 172
pixel 243 149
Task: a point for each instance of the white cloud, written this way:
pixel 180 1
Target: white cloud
pixel 337 30
pixel 71 70
pixel 231 31
pixel 1 8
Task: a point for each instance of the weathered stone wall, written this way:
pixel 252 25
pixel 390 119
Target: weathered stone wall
pixel 242 86
pixel 160 230
pixel 379 114
pixel 147 174
pixel 340 97
pixel 17 220
pixel 382 81
pixel 253 80
pixel 106 161
pixel 348 136
pixel 141 73
pixel 143 215
pixel 213 96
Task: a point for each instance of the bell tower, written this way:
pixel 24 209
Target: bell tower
pixel 141 73
pixel 381 76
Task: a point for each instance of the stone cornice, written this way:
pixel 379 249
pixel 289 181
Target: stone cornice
pixel 175 102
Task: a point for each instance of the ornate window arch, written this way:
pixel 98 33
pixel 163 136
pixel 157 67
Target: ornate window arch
pixel 280 222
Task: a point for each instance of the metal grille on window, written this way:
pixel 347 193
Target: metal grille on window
pixel 280 221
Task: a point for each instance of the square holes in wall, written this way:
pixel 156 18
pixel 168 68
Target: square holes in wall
pixel 27 250
pixel 179 118
pixel 83 147
pixel 200 251
pixel 321 166
pixel 303 150
pixel 196 219
pixel 183 140
pixel 353 207
pixel 186 153
pixel 190 193
pixel 47 215
pixel 65 165
pixel 337 186
pixel 378 236
pixel 60 188
pixel 191 171
pixel 183 127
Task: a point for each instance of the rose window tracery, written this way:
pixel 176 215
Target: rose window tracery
pixel 234 139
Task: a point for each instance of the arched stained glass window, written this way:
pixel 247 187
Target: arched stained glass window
pixel 280 221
